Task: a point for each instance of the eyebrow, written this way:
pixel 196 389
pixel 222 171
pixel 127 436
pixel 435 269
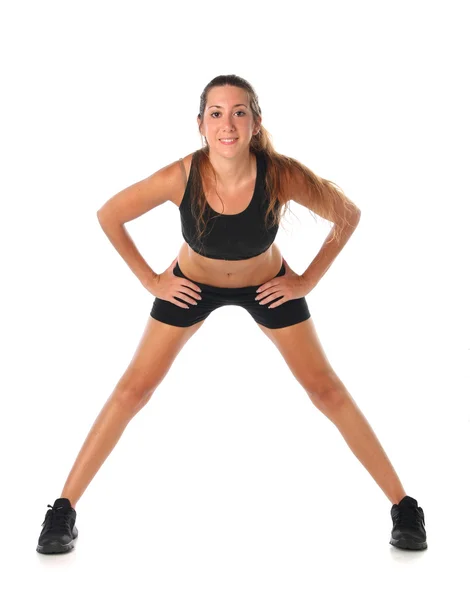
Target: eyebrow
pixel 217 106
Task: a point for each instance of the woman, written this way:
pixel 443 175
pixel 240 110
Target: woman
pixel 230 195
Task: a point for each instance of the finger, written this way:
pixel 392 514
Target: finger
pixel 272 297
pixel 262 295
pixel 187 298
pixel 267 285
pixel 270 290
pixel 278 301
pixel 191 285
pixel 180 304
pixel 269 297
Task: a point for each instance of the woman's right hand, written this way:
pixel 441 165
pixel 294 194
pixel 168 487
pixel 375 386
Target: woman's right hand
pixel 167 285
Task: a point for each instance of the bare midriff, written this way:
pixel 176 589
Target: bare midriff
pixel 230 273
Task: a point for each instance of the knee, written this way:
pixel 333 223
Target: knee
pixel 327 391
pixel 131 396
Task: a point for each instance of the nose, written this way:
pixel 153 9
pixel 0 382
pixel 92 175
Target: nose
pixel 227 124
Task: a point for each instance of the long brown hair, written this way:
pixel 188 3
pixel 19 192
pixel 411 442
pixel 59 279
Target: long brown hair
pixel 283 174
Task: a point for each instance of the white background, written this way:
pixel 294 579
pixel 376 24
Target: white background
pixel 229 483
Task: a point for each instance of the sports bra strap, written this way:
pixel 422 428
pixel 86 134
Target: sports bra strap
pixel 184 172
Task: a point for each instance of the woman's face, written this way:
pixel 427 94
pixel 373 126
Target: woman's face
pixel 228 115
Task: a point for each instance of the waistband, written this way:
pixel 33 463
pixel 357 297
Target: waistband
pixel 224 290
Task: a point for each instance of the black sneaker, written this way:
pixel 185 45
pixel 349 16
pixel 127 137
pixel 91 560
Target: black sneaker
pixel 59 531
pixel 408 525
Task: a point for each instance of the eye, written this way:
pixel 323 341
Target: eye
pixel 218 113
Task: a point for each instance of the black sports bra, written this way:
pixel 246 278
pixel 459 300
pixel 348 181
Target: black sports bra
pixel 230 237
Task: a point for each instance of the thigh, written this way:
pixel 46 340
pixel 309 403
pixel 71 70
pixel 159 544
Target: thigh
pixel 172 314
pixel 304 355
pixel 159 346
pixel 286 314
pixel 280 317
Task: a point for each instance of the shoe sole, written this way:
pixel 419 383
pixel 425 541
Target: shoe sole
pixel 56 547
pixel 408 544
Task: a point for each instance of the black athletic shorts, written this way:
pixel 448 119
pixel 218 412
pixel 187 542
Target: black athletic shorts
pixel 288 313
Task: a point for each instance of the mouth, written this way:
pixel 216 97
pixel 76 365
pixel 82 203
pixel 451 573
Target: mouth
pixel 228 141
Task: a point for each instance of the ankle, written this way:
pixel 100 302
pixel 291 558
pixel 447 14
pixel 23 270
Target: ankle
pixel 72 501
pixel 398 498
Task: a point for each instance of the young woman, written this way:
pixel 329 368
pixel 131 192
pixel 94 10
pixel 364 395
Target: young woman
pixel 231 194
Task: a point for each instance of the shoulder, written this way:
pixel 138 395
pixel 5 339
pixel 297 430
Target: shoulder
pixel 187 160
pixel 180 178
pixel 281 165
pixel 283 174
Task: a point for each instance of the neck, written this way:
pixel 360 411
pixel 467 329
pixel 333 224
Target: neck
pixel 232 172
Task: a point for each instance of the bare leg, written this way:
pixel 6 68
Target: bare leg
pixel 301 349
pixel 102 438
pixel 340 408
pixel 156 352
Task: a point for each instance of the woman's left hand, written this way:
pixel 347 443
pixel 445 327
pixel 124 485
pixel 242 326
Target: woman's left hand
pixel 286 287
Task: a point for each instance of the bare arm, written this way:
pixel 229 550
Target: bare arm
pixel 130 203
pixel 327 254
pixel 122 241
